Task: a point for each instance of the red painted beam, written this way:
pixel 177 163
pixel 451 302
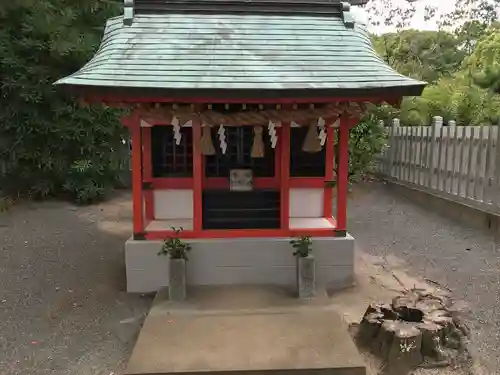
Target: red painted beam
pixel 137 197
pixel 342 177
pixel 284 150
pixel 198 174
pixel 306 182
pixel 147 173
pixel 329 175
pixel 244 233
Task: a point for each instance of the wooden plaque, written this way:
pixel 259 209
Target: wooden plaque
pixel 240 179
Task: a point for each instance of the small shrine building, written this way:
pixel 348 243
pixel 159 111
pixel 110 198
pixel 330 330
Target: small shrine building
pixel 239 116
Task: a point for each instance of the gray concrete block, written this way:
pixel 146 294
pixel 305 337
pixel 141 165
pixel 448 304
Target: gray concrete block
pixel 177 280
pixel 334 251
pixel 306 277
pixel 257 261
pixel 146 271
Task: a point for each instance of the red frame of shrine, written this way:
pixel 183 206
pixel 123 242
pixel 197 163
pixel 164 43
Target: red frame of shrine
pixel 143 204
pixel 118 76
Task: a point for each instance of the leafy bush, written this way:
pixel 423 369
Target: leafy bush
pixel 175 247
pixel 51 145
pixel 302 246
pixel 367 140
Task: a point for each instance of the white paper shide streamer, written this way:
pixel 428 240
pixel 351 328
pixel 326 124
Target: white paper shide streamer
pixel 222 138
pixel 177 131
pixel 145 124
pixel 322 131
pixel 272 133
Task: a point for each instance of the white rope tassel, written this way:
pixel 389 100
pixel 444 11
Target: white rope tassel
pixel 222 139
pixel 272 133
pixel 177 131
pixel 322 131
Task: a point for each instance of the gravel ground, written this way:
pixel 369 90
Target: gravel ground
pixel 432 246
pixel 63 309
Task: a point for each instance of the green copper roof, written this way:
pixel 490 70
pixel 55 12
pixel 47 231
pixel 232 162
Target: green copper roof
pixel 258 55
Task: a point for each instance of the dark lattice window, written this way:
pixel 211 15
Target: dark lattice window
pixel 304 164
pixel 238 154
pixel 169 159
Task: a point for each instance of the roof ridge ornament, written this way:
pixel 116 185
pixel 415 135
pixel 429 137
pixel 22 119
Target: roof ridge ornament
pixel 346 14
pixel 128 12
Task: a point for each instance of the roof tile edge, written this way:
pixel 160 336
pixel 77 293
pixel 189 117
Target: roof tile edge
pixel 347 15
pixel 128 12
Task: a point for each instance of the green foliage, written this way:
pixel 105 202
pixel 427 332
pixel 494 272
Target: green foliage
pixel 175 247
pixel 463 67
pixel 484 63
pixel 367 140
pixel 302 246
pixel 52 146
pixel 423 55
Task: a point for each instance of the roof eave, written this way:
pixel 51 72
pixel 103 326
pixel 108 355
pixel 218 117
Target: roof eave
pixel 242 95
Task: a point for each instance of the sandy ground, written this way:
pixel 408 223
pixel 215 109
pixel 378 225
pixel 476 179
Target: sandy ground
pixel 63 309
pixel 419 242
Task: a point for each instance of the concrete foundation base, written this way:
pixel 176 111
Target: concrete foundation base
pixel 244 331
pixel 254 261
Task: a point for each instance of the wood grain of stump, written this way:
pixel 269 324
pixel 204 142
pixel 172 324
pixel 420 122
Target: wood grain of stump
pixel 369 327
pixel 405 349
pixel 415 329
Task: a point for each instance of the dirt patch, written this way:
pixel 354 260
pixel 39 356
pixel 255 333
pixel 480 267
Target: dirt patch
pixel 113 217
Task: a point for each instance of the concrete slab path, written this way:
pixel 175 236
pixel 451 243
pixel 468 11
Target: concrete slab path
pixel 244 330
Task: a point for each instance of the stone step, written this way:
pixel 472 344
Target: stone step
pixel 244 338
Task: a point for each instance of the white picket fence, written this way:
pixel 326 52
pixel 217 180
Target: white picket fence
pixel 458 162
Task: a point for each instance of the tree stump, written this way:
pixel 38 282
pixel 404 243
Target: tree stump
pixel 369 327
pixel 405 349
pixel 413 328
pixel 432 340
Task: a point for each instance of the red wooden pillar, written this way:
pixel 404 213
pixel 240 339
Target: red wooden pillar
pixel 342 175
pixel 329 164
pixel 137 196
pixel 197 176
pixel 284 150
pixel 147 173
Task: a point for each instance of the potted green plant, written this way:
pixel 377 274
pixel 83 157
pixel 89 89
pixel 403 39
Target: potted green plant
pixel 306 267
pixel 177 251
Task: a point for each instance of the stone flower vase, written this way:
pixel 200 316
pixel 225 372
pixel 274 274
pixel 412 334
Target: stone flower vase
pixel 177 279
pixel 306 276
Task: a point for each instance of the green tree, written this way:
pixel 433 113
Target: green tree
pixel 52 145
pixel 424 55
pixel 366 141
pixel 484 63
pixel 469 33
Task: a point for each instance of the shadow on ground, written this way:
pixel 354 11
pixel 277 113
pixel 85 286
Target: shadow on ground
pixel 63 306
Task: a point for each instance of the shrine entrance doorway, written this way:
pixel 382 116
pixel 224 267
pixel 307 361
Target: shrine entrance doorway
pixel 241 187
